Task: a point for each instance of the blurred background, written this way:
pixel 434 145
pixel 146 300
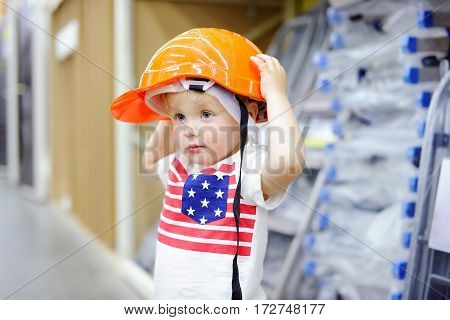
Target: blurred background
pixel 369 84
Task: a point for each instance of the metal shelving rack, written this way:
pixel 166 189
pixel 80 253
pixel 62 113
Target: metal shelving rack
pixel 432 266
pixel 428 270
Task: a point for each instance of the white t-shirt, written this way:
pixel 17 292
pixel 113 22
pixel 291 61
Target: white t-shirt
pixel 196 240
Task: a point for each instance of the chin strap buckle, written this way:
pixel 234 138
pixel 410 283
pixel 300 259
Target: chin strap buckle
pixel 197 84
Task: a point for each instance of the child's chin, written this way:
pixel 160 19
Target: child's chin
pixel 200 158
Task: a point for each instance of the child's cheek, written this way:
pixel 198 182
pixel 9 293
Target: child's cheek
pixel 178 138
pixel 225 141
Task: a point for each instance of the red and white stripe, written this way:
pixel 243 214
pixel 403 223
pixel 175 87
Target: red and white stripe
pixel 177 230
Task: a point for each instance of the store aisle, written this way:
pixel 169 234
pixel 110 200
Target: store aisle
pixel 34 237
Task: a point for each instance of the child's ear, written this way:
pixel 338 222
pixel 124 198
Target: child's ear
pixel 252 106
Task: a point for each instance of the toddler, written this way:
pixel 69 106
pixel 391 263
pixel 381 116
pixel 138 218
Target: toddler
pixel 219 180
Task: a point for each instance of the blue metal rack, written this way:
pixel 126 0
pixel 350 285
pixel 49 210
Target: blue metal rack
pixel 428 270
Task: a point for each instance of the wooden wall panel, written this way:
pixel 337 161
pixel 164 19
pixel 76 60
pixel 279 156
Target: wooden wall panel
pixel 65 90
pixel 81 124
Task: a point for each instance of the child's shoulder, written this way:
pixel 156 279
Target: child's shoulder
pixel 253 162
pixel 163 166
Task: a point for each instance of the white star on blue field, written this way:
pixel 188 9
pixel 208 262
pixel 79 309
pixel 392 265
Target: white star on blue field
pixel 205 197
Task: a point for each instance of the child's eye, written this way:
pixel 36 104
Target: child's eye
pixel 206 114
pixel 179 117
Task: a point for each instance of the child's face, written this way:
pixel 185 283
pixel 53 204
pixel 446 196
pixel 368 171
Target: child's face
pixel 203 130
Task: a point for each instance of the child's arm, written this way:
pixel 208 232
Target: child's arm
pixel 159 145
pixel 286 155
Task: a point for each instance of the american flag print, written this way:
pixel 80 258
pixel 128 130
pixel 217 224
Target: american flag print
pixel 197 211
pixel 205 197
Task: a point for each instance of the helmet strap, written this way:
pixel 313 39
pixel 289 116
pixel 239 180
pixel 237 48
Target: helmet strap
pixel 235 284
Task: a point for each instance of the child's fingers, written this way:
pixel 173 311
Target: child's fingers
pixel 267 65
pixel 265 56
pixel 273 60
pixel 268 60
pixel 259 62
pixel 257 59
pixel 279 67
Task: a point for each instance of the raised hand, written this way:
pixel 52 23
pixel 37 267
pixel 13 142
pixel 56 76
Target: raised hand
pixel 273 75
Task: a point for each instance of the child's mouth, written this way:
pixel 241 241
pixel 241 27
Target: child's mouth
pixel 195 148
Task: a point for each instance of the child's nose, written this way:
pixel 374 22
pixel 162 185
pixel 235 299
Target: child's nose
pixel 191 129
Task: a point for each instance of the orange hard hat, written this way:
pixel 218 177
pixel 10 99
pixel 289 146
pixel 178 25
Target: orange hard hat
pixel 215 54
